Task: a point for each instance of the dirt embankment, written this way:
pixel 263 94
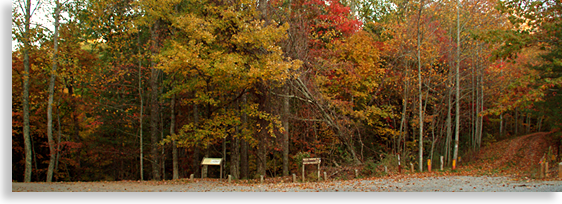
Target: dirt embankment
pixel 519 156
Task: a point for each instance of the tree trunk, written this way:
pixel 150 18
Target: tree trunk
pixel 50 139
pixel 262 132
pixel 539 123
pixel 457 86
pixel 449 124
pixel 141 112
pixel 286 115
pixel 347 141
pixel 528 123
pixel 59 135
pixel 235 155
pixel 175 174
pixel 420 144
pixel 481 110
pixel 516 121
pixel 403 119
pixel 197 151
pixel 244 173
pixel 163 154
pixel 235 149
pixel 154 106
pixel 26 66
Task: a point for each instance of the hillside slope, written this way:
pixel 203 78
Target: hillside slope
pixel 519 156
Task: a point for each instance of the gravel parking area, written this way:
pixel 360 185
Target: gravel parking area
pixel 426 184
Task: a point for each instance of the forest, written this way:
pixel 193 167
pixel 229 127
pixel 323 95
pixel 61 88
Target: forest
pixel 110 90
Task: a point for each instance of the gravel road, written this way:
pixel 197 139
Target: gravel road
pixel 427 184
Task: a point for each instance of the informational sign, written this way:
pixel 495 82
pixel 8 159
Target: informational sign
pixel 211 161
pixel 311 160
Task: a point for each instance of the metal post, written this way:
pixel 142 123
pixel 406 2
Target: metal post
pixel 294 178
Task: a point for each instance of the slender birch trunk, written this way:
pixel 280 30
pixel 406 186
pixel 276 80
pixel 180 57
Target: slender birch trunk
pixel 54 59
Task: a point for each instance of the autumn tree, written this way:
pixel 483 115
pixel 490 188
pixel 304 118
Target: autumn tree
pixel 24 33
pixel 56 15
pixel 308 40
pixel 536 27
pixel 222 52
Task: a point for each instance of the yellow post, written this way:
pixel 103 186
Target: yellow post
pixel 429 165
pixel 454 164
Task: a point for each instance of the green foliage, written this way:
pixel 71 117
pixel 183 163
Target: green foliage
pixel 299 156
pixel 377 168
pixel 488 140
pixel 551 80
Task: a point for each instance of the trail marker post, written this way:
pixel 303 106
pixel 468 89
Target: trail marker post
pixel 399 167
pixel 454 164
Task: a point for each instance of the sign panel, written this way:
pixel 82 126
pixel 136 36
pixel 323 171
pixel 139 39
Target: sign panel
pixel 311 160
pixel 211 161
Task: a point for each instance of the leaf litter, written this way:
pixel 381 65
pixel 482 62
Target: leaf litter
pixel 478 174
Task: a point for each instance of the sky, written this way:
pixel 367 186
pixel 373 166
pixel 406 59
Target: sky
pixel 41 16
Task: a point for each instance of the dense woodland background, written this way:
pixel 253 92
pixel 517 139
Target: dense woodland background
pixel 143 90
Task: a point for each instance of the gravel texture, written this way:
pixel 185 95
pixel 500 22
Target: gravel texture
pixel 426 184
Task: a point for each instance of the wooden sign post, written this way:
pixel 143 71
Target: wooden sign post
pixel 310 161
pixel 213 161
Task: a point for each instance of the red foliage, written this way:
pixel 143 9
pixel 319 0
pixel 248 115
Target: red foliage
pixel 329 20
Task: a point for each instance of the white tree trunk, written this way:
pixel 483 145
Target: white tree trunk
pixel 457 104
pixel 50 139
